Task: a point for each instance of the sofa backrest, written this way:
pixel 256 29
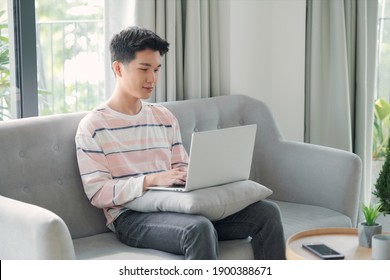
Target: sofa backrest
pixel 228 111
pixel 38 162
pixel 38 165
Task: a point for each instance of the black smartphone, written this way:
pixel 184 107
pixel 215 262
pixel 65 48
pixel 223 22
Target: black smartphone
pixel 323 251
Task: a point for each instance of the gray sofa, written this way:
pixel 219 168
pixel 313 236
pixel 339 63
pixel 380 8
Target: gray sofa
pixel 44 213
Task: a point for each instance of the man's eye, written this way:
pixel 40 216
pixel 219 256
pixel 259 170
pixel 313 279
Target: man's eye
pixel 142 69
pixel 156 70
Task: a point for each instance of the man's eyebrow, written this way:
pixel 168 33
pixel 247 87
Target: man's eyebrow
pixel 148 64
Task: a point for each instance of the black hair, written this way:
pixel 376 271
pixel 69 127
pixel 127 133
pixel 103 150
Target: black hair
pixel 126 43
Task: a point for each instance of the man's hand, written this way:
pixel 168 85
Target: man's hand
pixel 166 178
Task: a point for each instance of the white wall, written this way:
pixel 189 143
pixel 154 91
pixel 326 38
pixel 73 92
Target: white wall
pixel 266 57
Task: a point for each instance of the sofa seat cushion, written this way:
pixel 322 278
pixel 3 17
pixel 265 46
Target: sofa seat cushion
pixel 106 246
pixel 298 217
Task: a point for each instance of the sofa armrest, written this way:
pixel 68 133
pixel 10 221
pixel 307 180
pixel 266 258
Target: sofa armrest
pixel 315 175
pixel 31 232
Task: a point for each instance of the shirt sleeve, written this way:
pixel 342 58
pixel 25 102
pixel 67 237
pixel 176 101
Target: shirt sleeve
pixel 179 153
pixel 102 190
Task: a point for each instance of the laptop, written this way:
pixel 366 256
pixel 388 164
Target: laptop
pixel 218 157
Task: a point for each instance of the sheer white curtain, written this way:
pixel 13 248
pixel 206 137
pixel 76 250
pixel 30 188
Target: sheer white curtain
pixel 340 75
pixel 191 67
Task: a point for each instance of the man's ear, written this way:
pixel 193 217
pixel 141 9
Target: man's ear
pixel 117 68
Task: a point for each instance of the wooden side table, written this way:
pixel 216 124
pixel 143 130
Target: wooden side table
pixel 343 240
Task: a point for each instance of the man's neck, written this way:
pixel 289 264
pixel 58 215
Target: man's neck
pixel 125 104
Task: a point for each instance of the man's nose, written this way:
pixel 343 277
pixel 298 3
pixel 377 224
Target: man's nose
pixel 152 77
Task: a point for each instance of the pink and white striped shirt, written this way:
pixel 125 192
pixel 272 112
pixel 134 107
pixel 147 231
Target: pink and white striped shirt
pixel 115 151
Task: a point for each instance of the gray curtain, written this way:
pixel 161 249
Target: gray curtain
pixel 340 78
pixel 191 67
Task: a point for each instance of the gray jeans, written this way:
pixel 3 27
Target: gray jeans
pixel 196 237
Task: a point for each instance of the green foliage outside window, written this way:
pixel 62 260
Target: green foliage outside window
pixel 381 129
pixel 5 97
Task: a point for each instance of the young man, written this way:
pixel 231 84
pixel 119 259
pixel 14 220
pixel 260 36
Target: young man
pixel 126 145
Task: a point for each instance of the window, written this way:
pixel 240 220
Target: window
pixel 59 70
pixel 383 81
pixel 70 55
pixel 5 95
pixel 382 106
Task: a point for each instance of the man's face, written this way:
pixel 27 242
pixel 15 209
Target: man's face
pixel 139 76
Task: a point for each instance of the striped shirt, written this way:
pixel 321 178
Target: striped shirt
pixel 115 151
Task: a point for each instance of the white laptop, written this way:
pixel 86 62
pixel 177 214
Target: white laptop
pixel 218 157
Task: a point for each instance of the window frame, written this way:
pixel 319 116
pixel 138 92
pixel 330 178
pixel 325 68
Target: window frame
pixel 23 58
